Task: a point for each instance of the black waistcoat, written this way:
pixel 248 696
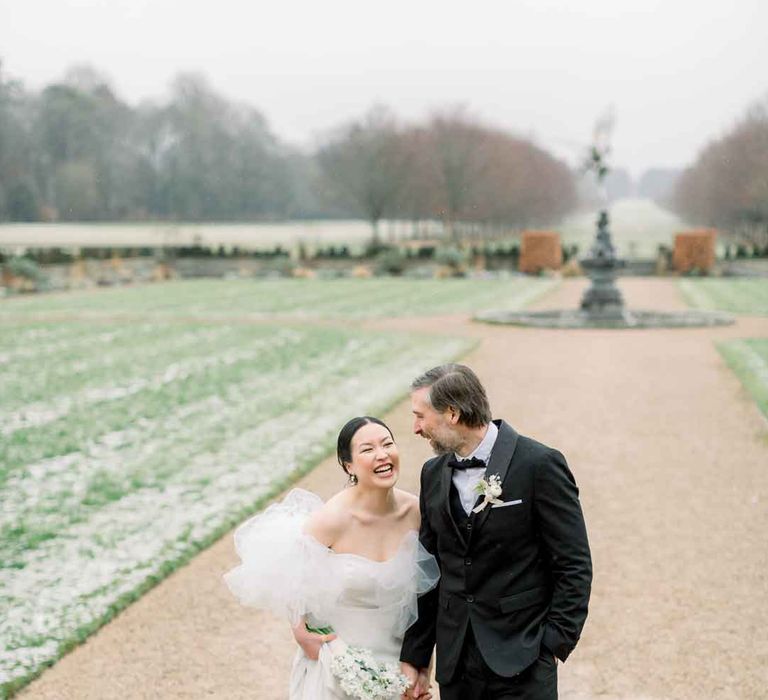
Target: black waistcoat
pixel 457 510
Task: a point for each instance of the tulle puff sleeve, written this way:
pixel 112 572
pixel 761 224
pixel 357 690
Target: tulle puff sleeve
pixel 287 572
pixel 425 575
pixel 427 570
pixel 279 562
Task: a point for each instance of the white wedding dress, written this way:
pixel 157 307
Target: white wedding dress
pixel 369 604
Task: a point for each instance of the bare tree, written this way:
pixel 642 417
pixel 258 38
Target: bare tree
pixel 727 185
pixel 459 164
pixel 523 185
pixel 470 172
pixel 367 162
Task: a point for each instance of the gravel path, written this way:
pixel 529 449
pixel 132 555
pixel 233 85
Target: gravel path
pixel 672 459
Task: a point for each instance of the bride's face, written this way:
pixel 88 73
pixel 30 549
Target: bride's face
pixel 375 459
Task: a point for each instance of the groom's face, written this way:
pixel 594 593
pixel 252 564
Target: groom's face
pixel 439 428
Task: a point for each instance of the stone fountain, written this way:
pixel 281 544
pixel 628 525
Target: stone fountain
pixel 602 305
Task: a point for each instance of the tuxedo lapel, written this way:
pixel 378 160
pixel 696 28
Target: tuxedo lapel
pixel 446 475
pixel 501 458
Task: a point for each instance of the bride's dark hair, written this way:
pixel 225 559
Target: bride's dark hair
pixel 344 443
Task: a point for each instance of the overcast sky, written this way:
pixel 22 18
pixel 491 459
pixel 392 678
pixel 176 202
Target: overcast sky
pixel 678 72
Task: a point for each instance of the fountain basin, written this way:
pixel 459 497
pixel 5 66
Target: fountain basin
pixel 626 318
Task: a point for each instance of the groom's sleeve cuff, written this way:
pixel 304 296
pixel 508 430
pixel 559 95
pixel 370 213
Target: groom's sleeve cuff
pixel 417 660
pixel 553 641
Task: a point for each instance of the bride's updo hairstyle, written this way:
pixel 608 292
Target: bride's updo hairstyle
pixel 344 443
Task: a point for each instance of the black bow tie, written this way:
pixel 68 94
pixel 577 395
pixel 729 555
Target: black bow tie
pixel 473 463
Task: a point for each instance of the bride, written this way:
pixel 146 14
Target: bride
pixel 348 570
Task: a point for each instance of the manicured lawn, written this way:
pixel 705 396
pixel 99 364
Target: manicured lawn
pixel 749 360
pixel 739 296
pixel 297 298
pixel 127 447
pixel 137 425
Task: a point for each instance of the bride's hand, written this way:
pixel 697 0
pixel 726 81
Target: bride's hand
pixel 412 674
pixel 310 642
pixel 419 682
pixel 423 685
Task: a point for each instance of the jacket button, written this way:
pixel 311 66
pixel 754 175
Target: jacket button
pixel 470 599
pixel 469 526
pixel 467 562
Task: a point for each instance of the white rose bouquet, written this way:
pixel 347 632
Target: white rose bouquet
pixel 360 675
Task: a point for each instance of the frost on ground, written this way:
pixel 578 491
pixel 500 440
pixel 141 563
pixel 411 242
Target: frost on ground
pixel 300 299
pixel 738 296
pixel 748 358
pixel 135 443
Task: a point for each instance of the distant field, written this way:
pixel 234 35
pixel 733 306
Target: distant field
pixel 739 296
pixel 247 236
pixel 337 298
pixel 749 360
pixel 638 227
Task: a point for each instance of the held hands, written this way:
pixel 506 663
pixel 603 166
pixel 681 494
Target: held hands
pixel 420 688
pixel 310 642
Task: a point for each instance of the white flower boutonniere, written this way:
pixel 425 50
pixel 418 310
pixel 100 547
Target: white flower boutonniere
pixel 490 490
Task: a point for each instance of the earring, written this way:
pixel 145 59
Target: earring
pixel 352 479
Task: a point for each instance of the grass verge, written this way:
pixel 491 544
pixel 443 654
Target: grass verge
pixel 749 360
pixel 738 296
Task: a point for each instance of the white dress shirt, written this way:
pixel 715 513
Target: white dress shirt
pixel 465 480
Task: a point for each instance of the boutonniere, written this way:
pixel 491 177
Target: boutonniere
pixel 490 490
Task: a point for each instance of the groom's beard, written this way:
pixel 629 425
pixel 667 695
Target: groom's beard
pixel 438 447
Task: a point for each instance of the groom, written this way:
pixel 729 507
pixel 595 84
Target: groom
pixel 515 566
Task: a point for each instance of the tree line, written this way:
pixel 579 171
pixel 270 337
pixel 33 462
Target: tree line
pixel 75 151
pixel 453 169
pixel 727 185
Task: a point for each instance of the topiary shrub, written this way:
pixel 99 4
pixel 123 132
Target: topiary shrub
pixel 452 258
pixel 390 262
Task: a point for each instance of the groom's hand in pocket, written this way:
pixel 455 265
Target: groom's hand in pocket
pixel 310 642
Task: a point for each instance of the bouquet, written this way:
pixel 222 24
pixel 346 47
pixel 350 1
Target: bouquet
pixel 364 678
pixel 360 675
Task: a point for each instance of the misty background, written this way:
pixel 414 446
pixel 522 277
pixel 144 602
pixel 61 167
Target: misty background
pixel 169 111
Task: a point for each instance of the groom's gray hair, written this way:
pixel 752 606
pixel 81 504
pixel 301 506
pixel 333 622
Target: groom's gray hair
pixel 456 386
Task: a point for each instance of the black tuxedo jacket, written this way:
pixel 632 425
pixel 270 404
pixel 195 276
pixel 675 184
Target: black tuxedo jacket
pixel 519 574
